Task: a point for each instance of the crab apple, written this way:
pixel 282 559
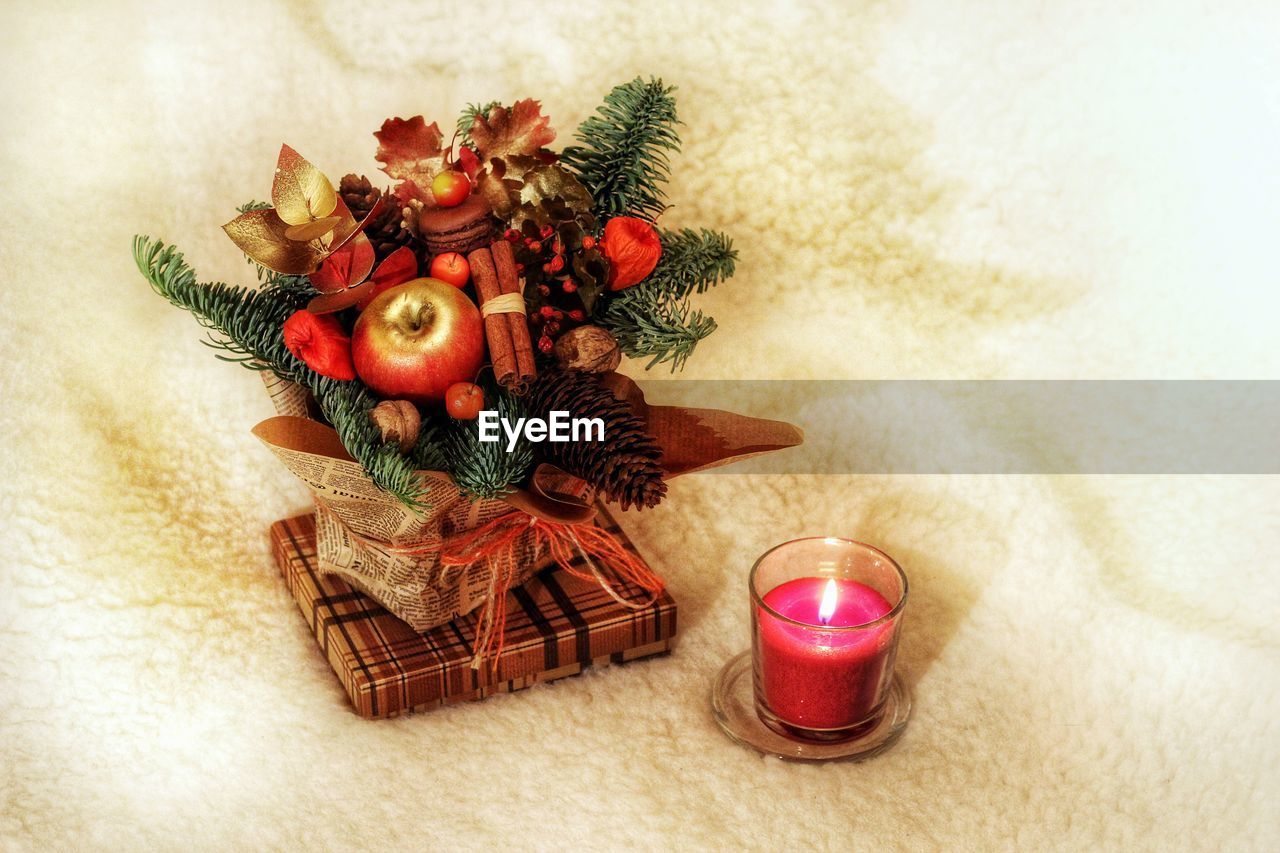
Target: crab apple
pixel 463 401
pixel 450 188
pixel 451 268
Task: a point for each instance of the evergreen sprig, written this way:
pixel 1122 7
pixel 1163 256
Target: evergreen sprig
pixel 660 330
pixel 250 323
pixel 691 262
pixel 653 319
pixel 622 155
pixel 486 469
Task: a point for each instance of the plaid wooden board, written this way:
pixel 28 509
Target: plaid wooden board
pixel 557 625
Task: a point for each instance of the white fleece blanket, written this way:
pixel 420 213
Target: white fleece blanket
pixel 926 189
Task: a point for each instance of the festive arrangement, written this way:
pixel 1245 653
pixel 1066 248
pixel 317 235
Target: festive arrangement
pixel 493 277
pixel 493 273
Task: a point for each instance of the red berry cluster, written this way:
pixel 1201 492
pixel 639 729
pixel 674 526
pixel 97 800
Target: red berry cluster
pixel 548 247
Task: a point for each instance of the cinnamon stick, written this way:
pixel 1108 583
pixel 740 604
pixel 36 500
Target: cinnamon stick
pixel 496 329
pixel 509 282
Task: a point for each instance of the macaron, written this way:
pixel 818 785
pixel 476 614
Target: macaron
pixel 463 228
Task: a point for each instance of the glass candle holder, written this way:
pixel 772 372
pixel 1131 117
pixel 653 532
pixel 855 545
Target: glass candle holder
pixel 826 614
pixel 825 619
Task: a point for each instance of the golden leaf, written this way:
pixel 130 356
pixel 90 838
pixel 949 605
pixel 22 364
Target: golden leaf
pixel 296 248
pixel 260 234
pixel 301 192
pixel 312 230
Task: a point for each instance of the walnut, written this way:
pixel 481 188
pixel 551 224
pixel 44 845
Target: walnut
pixel 399 422
pixel 588 348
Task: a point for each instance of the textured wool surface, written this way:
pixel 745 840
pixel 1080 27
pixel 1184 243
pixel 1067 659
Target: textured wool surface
pixel 926 189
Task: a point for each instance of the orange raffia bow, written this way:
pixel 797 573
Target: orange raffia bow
pixel 495 541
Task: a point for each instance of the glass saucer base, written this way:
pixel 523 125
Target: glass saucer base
pixel 734 707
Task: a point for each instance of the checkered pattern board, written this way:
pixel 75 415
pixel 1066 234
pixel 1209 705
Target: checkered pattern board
pixel 557 625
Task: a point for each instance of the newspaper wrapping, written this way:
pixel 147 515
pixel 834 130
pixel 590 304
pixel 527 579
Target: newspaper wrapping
pixel 363 533
pixel 391 553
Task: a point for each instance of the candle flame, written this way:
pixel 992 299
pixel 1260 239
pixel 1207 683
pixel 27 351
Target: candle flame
pixel 828 606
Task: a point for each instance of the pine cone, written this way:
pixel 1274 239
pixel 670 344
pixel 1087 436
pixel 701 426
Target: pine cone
pixel 387 233
pixel 623 467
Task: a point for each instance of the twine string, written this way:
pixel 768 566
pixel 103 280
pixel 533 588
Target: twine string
pixel 496 542
pixel 506 303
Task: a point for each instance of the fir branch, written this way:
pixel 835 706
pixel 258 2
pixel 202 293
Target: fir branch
pixel 468 119
pixel 691 262
pixel 652 320
pixel 650 325
pixel 428 454
pixel 486 469
pixel 622 158
pixel 251 322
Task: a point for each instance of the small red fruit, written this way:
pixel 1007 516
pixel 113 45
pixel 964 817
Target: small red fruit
pixel 546 231
pixel 450 188
pixel 577 316
pixel 545 344
pixel 511 235
pixel 588 242
pixel 534 246
pixel 451 268
pixel 569 287
pixel 464 400
pixel 556 264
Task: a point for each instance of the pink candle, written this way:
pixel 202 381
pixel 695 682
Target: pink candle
pixel 818 679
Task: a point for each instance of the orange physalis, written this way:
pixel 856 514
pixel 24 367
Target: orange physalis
pixel 320 343
pixel 633 249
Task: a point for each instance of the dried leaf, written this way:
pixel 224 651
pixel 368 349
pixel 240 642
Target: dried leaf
pixel 502 193
pixel 468 162
pixel 346 267
pixel 331 303
pixel 516 132
pixel 260 235
pixel 398 267
pixel 554 182
pixel 264 236
pixel 347 227
pixel 312 230
pixel 300 192
pixel 412 152
pixel 591 271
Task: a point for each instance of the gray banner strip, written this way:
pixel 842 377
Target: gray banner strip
pixel 1004 426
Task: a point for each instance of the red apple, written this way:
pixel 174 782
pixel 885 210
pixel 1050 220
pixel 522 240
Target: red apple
pixel 416 339
pixel 450 188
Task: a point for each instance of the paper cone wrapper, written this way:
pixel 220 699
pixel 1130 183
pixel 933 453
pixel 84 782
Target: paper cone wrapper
pixel 392 553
